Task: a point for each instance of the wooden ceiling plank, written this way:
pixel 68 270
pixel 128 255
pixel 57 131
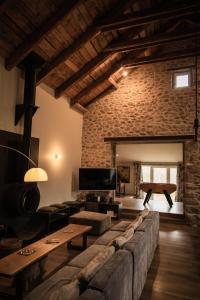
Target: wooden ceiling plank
pixel 83 72
pixel 89 34
pixel 95 83
pixel 147 16
pixel 35 37
pixel 5 5
pixel 161 57
pixel 155 40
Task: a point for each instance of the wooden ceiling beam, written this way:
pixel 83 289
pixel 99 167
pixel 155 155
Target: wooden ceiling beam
pixel 95 83
pixel 5 4
pixel 91 32
pixel 155 40
pixel 161 57
pixel 83 72
pixel 89 67
pixel 35 37
pixel 147 16
pixel 106 92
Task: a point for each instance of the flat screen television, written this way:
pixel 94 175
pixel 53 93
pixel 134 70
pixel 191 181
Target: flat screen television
pixel 97 179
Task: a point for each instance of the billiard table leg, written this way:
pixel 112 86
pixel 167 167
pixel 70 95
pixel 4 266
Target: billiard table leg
pixel 148 196
pixel 168 197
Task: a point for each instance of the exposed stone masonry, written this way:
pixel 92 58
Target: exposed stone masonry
pixel 145 104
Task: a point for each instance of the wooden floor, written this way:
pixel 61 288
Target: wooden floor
pixel 175 270
pixel 129 202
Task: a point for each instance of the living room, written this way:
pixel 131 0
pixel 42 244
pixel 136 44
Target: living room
pixel 110 74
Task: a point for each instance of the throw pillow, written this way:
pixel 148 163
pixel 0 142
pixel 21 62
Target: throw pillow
pixel 68 291
pixel 144 213
pixel 122 239
pixel 95 264
pixel 136 223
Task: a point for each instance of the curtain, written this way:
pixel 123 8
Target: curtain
pixel 179 182
pixel 137 177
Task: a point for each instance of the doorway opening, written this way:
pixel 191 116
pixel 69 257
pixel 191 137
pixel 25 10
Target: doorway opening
pixel 159 163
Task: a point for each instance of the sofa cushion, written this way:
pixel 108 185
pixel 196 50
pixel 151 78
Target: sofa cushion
pixel 136 222
pixel 95 264
pixel 123 238
pixel 144 213
pixel 114 279
pixel 59 205
pixel 48 209
pixel 68 291
pixel 121 226
pixel 107 238
pixel 86 256
pixel 60 278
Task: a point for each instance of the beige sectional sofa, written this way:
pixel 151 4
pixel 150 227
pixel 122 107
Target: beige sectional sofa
pixel 121 277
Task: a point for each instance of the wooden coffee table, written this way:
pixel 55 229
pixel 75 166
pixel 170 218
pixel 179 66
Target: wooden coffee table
pixel 14 264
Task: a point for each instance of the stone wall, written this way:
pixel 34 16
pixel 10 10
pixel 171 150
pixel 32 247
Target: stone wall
pixel 145 104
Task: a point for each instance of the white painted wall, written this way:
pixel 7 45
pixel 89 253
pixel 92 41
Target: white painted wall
pixel 171 152
pixel 58 127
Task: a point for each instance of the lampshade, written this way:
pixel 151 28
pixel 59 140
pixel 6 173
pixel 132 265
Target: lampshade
pixel 35 175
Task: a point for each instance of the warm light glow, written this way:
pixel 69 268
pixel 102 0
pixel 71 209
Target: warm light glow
pixel 57 156
pixel 35 175
pixel 125 73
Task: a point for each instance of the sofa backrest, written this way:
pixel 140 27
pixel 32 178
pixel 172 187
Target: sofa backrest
pixel 137 246
pixel 114 279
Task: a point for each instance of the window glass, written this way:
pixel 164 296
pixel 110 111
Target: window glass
pixel 146 174
pixel 182 79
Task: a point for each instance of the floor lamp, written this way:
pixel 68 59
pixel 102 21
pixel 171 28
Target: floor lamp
pixel 33 174
pixel 20 200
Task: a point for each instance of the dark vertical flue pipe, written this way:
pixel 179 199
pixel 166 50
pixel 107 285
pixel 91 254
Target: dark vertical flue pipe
pixel 29 104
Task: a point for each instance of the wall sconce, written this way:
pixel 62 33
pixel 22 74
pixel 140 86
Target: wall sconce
pixel 124 73
pixel 57 156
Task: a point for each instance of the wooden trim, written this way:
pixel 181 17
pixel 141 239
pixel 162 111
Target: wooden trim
pixel 95 83
pixel 5 5
pixel 155 40
pixel 90 33
pixel 147 16
pixel 150 139
pixel 113 82
pixel 35 37
pixel 160 164
pixel 83 72
pixel 80 108
pixel 161 57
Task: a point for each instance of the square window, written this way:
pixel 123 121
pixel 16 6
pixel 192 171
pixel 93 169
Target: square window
pixel 181 79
